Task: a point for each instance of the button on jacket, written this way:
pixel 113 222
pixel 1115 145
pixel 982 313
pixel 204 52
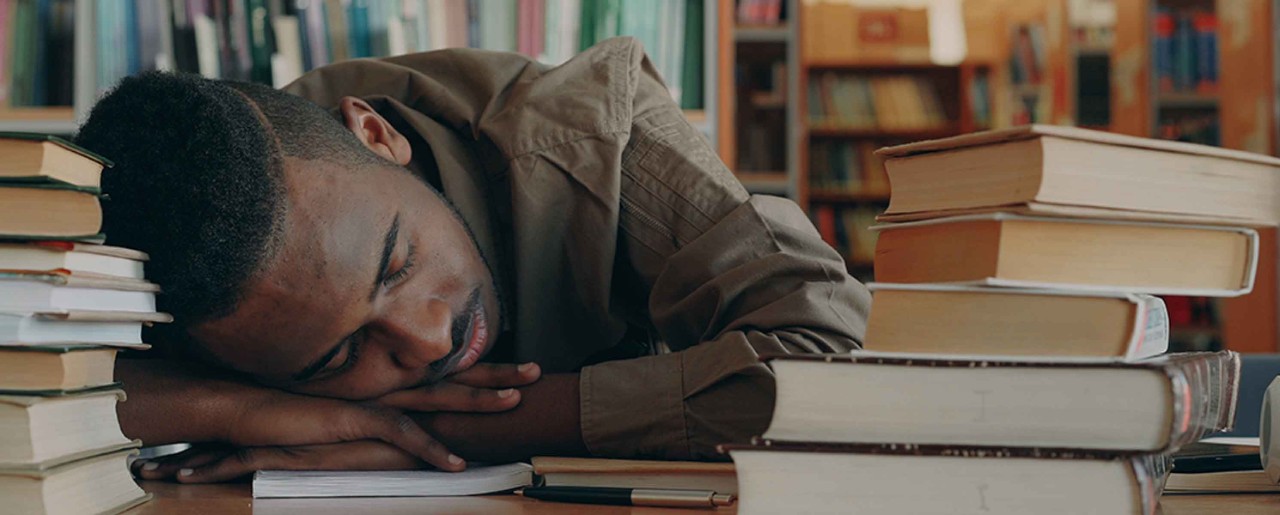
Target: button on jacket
pixel 626 249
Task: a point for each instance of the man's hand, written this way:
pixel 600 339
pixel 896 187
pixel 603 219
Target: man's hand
pixel 215 463
pixel 175 402
pixel 472 390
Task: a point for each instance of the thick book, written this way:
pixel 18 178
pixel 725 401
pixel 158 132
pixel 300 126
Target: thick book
pixel 30 157
pixel 73 257
pixel 475 480
pixel 1093 255
pixel 119 328
pixel 41 292
pixel 607 473
pixel 777 477
pixel 1225 482
pixel 44 432
pixel 48 370
pixel 1154 405
pixel 1043 165
pixel 48 210
pixel 943 319
pixel 100 484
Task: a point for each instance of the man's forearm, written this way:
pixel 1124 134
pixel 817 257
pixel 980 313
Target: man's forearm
pixel 547 422
pixel 170 401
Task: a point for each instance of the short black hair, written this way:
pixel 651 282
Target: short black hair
pixel 198 181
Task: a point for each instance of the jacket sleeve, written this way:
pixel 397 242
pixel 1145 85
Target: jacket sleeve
pixel 731 277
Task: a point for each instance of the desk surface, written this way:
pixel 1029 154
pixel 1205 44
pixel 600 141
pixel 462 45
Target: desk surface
pixel 235 500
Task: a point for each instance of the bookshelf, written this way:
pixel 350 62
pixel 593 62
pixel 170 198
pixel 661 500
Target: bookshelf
pixel 1150 99
pixel 108 40
pixel 756 95
pixel 855 98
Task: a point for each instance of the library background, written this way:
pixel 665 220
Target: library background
pixel 794 94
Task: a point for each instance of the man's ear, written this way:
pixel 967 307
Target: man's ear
pixel 374 131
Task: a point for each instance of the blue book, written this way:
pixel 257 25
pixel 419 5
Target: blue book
pixel 473 23
pixel 358 28
pixel 43 24
pixel 1184 53
pixel 132 50
pixel 304 37
pixel 377 21
pixel 1206 27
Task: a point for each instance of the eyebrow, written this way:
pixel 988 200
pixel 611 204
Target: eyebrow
pixel 388 246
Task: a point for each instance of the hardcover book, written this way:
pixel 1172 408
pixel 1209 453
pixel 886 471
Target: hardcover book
pixel 44 432
pixel 1087 255
pixel 99 484
pixel 1051 170
pixel 778 477
pixel 982 321
pixel 1155 405
pixel 609 473
pixel 30 157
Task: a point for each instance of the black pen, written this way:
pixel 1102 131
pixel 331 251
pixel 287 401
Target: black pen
pixel 628 496
pixel 1216 463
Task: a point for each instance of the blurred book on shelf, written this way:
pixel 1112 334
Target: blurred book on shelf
pixel 1186 50
pixel 888 102
pixel 275 41
pixel 761 12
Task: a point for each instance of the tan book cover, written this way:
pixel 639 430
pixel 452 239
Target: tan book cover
pixel 1029 168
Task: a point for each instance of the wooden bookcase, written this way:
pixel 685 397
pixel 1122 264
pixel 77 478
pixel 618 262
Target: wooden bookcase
pixel 743 47
pixel 825 28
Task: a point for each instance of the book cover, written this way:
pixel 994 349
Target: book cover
pixel 1199 390
pixel 913 251
pixel 776 477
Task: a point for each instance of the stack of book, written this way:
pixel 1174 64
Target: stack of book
pixel 1015 358
pixel 67 306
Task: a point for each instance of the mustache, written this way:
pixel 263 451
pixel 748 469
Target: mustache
pixel 459 330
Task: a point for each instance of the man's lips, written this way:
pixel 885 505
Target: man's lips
pixel 471 338
pixel 478 337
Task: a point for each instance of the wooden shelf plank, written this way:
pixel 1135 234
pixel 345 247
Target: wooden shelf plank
pixel 879 133
pixel 775 183
pixel 877 65
pixel 762 33
pixel 847 196
pixel 1187 100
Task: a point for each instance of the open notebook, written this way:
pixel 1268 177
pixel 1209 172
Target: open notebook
pixel 476 480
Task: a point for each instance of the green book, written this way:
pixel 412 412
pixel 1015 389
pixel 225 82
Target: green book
pixel 691 84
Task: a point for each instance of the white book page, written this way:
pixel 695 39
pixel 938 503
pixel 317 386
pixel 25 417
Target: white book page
pixel 477 479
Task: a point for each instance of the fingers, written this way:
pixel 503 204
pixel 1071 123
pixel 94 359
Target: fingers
pixel 363 455
pixel 450 396
pixel 296 420
pixel 396 428
pixel 497 375
pixel 167 467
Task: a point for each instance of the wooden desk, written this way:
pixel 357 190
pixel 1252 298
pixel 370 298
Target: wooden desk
pixel 235 500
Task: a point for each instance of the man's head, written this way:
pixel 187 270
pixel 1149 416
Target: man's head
pixel 290 246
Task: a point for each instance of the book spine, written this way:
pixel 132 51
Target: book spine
pixel 1183 53
pixel 1206 27
pixel 1204 388
pixel 1164 49
pixel 1150 328
pixel 1150 472
pixel 258 34
pixel 6 32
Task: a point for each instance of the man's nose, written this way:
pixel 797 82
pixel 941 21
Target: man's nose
pixel 419 337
